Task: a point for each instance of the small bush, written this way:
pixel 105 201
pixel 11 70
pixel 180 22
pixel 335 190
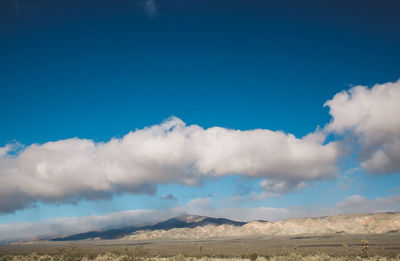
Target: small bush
pixel 253 257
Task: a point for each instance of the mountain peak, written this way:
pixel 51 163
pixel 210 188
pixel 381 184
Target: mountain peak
pixel 191 218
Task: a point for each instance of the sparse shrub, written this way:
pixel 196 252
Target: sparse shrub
pixel 179 257
pixel 324 257
pixel 345 246
pixel 139 251
pixel 288 257
pixel 46 258
pixel 364 248
pixel 253 257
pixel 199 248
pixel 34 256
pixel 120 251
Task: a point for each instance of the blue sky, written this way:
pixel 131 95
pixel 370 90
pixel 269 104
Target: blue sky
pixel 98 70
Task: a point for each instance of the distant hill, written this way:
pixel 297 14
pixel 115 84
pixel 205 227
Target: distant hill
pixel 187 221
pixel 207 227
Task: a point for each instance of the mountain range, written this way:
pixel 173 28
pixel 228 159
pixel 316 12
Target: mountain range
pixel 186 221
pixel 208 227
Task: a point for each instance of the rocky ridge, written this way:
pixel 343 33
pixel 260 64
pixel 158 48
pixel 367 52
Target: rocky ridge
pixel 378 223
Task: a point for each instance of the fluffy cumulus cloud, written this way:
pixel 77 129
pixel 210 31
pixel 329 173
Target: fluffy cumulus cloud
pixel 171 152
pixel 372 115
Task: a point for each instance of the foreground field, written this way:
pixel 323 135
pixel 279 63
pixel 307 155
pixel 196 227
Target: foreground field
pixel 323 247
pixel 125 257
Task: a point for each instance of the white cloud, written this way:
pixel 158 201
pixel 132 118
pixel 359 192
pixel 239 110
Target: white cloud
pixel 3 151
pixel 279 187
pixel 9 149
pixel 171 152
pixel 373 116
pixel 149 7
pixel 361 204
pixel 198 205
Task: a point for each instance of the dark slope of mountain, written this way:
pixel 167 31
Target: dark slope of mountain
pixel 108 234
pixel 177 222
pixel 217 222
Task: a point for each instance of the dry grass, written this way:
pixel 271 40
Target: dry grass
pixel 310 248
pixel 125 256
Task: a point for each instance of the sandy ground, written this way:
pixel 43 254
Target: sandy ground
pixel 334 245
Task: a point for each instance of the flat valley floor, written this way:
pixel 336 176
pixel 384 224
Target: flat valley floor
pixel 334 245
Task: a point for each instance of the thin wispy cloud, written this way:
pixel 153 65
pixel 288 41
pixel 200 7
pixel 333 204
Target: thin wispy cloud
pixel 169 197
pixel 349 205
pixel 149 7
pixel 71 225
